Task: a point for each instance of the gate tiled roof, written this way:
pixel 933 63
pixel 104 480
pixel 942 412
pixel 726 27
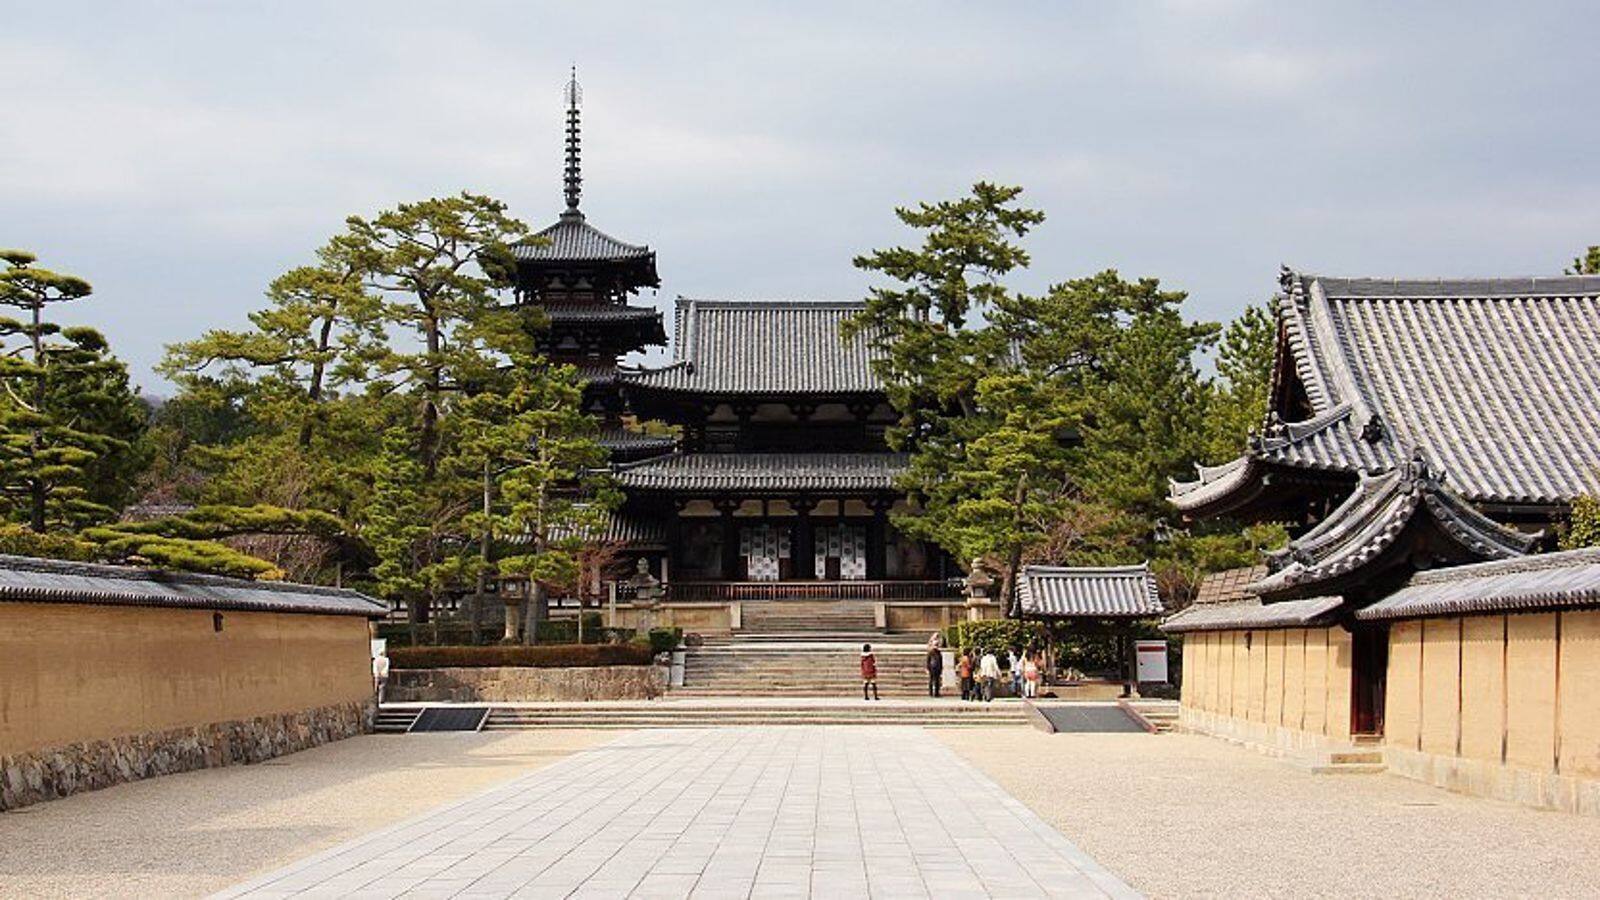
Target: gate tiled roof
pixel 1088 592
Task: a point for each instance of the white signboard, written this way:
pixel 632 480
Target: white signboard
pixel 380 647
pixel 1152 659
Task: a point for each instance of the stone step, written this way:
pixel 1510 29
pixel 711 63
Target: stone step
pixel 394 721
pixel 867 714
pixel 1356 757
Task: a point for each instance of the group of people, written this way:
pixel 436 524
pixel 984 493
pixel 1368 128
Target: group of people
pixel 978 671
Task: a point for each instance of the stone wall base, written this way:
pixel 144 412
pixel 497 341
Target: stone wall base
pixel 1479 778
pixel 1274 740
pixel 89 765
pixel 511 684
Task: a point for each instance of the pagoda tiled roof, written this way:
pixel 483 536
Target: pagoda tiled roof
pixel 598 312
pixel 621 527
pixel 765 472
pixel 620 439
pixel 1088 592
pixel 573 239
pixel 764 347
pixel 1495 380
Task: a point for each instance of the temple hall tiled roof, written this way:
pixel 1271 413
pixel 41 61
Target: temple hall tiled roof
pixel 29 580
pixel 763 347
pixel 572 239
pixel 1494 380
pixel 765 472
pixel 1548 581
pixel 1369 524
pixel 1088 592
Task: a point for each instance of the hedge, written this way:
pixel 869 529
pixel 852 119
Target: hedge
pixel 998 635
pixel 542 656
pixel 663 640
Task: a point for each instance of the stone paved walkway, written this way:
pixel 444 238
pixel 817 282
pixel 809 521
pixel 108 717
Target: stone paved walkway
pixel 789 811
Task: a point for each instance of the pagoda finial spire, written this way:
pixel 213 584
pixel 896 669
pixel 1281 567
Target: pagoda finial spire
pixel 573 176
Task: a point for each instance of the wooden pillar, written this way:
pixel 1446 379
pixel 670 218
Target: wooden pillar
pixel 730 540
pixel 877 538
pixel 804 541
pixel 674 554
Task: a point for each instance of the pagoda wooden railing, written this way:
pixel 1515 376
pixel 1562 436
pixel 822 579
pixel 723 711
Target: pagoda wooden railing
pixel 732 591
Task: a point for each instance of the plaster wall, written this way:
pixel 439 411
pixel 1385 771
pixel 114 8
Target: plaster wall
pixel 81 672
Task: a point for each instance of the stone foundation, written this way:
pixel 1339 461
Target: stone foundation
pixel 1476 778
pixel 1274 740
pixel 511 684
pixel 89 765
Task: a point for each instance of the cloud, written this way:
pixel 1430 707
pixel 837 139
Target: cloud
pixel 179 156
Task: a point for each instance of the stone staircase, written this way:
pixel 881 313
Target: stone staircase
pixel 804 648
pixel 809 617
pixel 395 719
pixel 1158 716
pixel 754 668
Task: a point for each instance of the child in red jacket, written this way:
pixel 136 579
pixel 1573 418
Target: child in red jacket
pixel 869 672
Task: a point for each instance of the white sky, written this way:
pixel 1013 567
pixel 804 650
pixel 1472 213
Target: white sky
pixel 180 155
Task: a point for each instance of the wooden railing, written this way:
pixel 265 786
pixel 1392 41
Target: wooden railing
pixel 731 591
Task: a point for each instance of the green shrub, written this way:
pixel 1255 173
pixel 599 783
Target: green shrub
pixel 541 657
pixel 663 640
pixel 565 631
pixel 995 634
pixel 1584 528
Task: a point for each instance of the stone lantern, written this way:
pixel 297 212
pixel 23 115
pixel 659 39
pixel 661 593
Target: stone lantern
pixel 979 586
pixel 647 594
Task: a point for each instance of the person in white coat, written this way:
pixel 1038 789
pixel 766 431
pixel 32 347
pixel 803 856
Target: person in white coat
pixel 380 674
pixel 988 674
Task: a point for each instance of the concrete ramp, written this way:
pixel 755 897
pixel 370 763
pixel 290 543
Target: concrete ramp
pixel 450 718
pixel 1086 718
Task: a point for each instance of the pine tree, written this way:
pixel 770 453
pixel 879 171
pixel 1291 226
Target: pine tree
pixel 440 266
pixel 545 483
pixel 1239 400
pixel 321 332
pixel 68 419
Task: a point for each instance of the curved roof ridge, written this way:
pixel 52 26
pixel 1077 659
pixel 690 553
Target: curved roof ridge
pixel 1449 288
pixel 1129 569
pixel 769 303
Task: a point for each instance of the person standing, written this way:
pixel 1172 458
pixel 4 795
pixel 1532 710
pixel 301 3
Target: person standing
pixel 1014 663
pixel 935 670
pixel 380 674
pixel 1030 678
pixel 988 674
pixel 964 673
pixel 869 672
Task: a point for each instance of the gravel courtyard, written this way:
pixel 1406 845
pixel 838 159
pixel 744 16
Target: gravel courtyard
pixel 1173 816
pixel 1188 816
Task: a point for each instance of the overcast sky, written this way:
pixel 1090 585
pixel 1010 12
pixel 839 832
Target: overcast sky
pixel 181 155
